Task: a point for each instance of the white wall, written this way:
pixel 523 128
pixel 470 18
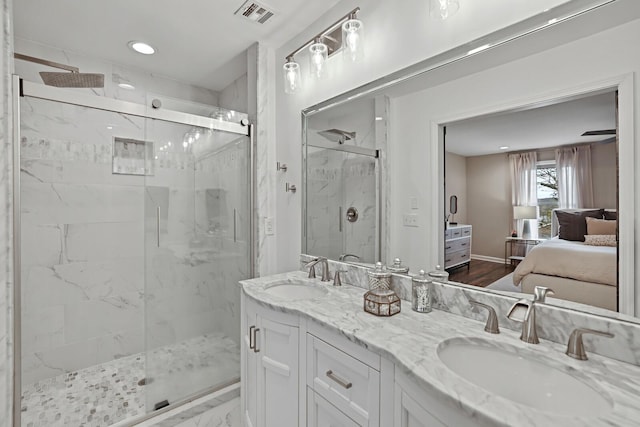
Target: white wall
pixel 566 68
pixel 456 173
pixel 604 173
pixel 395 38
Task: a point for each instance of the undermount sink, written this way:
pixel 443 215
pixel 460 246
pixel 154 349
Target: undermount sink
pixel 296 290
pixel 519 376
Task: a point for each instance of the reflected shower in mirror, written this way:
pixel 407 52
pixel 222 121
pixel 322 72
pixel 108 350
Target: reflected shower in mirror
pixel 553 169
pixel 342 181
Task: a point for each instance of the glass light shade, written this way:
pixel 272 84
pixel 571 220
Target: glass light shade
pixel 443 9
pixel 352 40
pixel 318 59
pixel 291 77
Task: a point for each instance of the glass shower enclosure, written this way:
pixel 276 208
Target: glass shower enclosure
pixel 134 228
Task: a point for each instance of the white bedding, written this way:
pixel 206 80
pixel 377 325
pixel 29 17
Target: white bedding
pixel 574 260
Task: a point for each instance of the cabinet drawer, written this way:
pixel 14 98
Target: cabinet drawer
pixel 466 232
pixel 456 258
pixel 321 413
pixel 455 232
pixel 457 245
pixel 447 234
pixel 349 384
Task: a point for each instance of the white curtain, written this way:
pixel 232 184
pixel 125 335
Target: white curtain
pixel 523 167
pixel 573 171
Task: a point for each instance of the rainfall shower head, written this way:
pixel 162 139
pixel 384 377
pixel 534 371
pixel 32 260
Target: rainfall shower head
pixel 337 135
pixel 71 78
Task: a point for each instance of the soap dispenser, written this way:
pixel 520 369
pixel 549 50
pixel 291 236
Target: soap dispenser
pixel 421 298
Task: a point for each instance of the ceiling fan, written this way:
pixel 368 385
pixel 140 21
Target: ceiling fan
pixel 602 132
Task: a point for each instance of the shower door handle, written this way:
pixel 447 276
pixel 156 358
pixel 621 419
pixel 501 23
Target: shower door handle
pixel 158 225
pixel 340 219
pixel 234 226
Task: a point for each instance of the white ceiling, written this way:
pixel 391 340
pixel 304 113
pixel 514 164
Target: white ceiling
pixel 543 127
pixel 199 42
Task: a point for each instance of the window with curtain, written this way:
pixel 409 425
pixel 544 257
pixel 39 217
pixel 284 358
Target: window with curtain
pixel 547 192
pixel 573 172
pixel 524 182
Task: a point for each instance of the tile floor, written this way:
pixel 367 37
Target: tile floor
pixel 108 393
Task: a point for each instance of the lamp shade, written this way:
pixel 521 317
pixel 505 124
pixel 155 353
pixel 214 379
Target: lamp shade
pixel 525 212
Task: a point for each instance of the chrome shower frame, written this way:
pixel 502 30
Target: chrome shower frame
pixel 22 88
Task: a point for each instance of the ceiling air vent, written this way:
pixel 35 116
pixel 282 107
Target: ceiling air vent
pixel 254 12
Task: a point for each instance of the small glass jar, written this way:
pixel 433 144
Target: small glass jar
pixel 379 278
pixel 382 303
pixel 439 275
pixel 398 268
pixel 421 291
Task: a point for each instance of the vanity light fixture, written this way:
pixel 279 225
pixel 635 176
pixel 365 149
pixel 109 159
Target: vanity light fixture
pixel 141 47
pixel 346 34
pixel 319 52
pixel 443 9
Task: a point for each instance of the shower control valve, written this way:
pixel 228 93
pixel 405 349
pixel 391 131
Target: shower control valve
pixel 281 167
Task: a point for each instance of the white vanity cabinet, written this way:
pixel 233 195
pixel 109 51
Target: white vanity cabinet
pixel 413 407
pixel 270 370
pixel 295 372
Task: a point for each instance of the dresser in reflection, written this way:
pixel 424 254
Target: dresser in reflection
pixel 457 246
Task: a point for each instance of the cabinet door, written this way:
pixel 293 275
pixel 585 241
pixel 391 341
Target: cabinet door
pixel 277 350
pixel 410 414
pixel 249 364
pixel 321 413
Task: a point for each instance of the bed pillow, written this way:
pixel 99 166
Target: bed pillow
pixel 600 226
pixel 611 215
pixel 600 240
pixel 573 225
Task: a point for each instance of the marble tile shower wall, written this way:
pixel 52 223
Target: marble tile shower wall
pixel 83 243
pixel 338 180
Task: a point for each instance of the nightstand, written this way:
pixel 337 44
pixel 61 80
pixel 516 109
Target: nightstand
pixel 509 242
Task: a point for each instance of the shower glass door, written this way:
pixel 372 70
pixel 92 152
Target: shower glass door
pixel 341 215
pixel 197 234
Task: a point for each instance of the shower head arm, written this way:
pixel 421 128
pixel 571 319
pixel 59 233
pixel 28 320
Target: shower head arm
pixel 45 62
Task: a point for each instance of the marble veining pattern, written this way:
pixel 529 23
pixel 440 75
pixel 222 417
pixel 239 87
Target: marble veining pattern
pixel 415 354
pixel 555 323
pixel 104 394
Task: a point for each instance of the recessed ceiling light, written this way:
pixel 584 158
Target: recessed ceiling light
pixel 479 49
pixel 504 147
pixel 378 119
pixel 142 48
pixel 109 127
pixel 126 86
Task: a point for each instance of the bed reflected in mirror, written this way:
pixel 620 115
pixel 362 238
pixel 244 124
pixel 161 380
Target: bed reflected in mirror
pixel 538 187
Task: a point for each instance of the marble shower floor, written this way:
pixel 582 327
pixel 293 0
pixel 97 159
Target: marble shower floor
pixel 104 394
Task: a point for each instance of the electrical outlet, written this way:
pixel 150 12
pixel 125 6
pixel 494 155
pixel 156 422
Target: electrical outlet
pixel 410 220
pixel 268 226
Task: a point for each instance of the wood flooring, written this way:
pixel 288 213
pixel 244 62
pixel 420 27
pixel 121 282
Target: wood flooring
pixel 480 273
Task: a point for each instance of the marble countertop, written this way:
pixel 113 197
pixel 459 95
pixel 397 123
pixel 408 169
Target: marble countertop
pixel 411 339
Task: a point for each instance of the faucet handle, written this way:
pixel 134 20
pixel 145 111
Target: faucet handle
pixel 492 320
pixel 337 281
pixel 575 346
pixel 540 293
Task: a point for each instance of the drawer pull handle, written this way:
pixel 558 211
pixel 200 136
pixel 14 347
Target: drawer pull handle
pixel 464 244
pixel 339 380
pixel 252 342
pixel 463 256
pixel 447 260
pixel 448 247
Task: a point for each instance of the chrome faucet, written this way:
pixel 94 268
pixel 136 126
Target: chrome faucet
pixel 492 319
pixel 344 256
pixel 524 311
pixel 325 268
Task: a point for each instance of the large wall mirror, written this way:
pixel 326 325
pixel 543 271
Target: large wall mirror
pixel 533 138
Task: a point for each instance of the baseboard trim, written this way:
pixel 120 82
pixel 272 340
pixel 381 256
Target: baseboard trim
pixel 487 258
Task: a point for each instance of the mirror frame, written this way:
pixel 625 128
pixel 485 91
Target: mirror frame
pixel 560 14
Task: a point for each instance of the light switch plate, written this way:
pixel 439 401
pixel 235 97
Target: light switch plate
pixel 414 202
pixel 268 226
